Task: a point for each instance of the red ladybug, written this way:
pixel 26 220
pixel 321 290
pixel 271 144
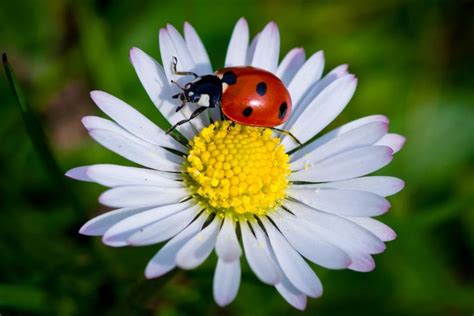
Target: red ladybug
pixel 246 95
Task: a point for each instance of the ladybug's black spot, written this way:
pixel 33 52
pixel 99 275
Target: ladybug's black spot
pixel 261 88
pixel 282 110
pixel 229 77
pixel 247 111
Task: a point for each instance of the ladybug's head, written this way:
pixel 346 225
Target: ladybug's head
pixel 204 91
pixel 188 94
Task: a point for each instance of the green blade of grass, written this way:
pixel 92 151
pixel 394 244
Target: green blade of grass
pixel 38 136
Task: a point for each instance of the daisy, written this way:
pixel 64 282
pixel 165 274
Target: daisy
pixel 244 190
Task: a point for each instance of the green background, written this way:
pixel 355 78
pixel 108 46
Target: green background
pixel 414 60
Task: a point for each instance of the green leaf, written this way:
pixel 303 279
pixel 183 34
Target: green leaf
pixel 38 136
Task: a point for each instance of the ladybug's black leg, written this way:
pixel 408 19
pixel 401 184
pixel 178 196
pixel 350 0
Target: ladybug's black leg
pixel 231 125
pixel 181 106
pixel 195 113
pixel 183 102
pixel 174 63
pixel 287 133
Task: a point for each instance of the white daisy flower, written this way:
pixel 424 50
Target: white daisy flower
pixel 291 204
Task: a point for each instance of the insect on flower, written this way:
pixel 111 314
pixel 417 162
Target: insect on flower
pixel 247 95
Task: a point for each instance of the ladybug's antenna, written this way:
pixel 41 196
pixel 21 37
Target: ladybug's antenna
pixel 176 83
pixel 174 63
pixel 288 133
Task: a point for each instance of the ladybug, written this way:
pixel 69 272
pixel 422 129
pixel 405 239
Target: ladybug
pixel 246 95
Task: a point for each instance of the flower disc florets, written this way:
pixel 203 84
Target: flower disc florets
pixel 237 169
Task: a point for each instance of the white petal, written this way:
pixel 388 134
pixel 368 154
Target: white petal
pixel 362 136
pixel 357 242
pixel 267 49
pixel 291 294
pixel 341 232
pixel 336 72
pixel 381 185
pixel 173 45
pixel 114 138
pixel 393 141
pixel 163 229
pixel 362 262
pixel 100 224
pixel 226 281
pixel 292 264
pixel 227 244
pixel 306 76
pixel 137 196
pixel 183 53
pixel 379 229
pixel 309 243
pixel 156 84
pixel 342 202
pixel 197 50
pixel 313 91
pixel 114 176
pixel 202 63
pixel 251 49
pixel 290 65
pixel 198 248
pixel 165 260
pixel 237 50
pixel 79 173
pixel 133 121
pixel 257 253
pixel 118 234
pixel 337 132
pixel 322 110
pixel 347 165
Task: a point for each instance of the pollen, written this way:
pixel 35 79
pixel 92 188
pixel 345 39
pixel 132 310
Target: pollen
pixel 236 169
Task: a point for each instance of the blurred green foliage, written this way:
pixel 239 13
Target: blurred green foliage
pixel 414 60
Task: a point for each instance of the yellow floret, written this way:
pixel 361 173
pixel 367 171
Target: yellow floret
pixel 237 169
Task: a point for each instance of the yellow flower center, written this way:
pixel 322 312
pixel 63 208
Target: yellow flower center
pixel 237 169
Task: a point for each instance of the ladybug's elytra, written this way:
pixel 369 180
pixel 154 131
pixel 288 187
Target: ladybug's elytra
pixel 253 96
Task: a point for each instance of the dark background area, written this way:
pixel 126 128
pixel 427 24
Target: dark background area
pixel 414 60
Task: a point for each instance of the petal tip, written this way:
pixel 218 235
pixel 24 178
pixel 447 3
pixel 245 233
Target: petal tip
pixel 300 306
pixel 392 235
pixel 401 185
pixel 150 274
pixel 86 231
pixel 78 173
pixel 299 50
pixel 163 32
pixel 103 198
pixel 242 20
pixel 273 25
pixel 95 94
pixel 133 52
pixel 86 122
pixel 403 140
